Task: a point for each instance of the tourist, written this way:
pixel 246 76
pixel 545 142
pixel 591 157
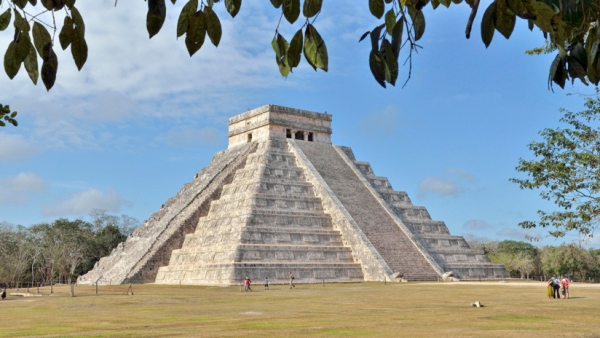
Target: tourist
pixel 556 287
pixel 549 289
pixel 291 280
pixel 565 286
pixel 266 283
pixel 247 283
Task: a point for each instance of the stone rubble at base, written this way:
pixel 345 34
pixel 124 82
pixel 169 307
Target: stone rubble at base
pixel 282 198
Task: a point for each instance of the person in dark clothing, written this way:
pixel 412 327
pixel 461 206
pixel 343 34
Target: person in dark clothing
pixel 556 288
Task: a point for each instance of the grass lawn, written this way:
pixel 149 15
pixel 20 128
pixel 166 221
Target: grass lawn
pixel 335 310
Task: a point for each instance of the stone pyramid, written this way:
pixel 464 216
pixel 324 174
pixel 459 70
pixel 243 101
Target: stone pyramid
pixel 282 198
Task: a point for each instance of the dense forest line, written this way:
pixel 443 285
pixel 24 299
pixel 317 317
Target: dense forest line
pixel 58 252
pixel 525 260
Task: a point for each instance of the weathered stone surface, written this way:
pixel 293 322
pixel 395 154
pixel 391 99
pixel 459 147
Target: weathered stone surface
pixel 281 198
pixel 150 246
pixel 264 225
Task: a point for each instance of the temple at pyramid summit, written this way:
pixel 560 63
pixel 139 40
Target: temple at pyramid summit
pixel 282 198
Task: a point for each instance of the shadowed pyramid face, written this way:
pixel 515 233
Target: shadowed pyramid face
pixel 283 199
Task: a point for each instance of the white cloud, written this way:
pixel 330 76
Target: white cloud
pixel 477 224
pixel 190 137
pixel 461 174
pixel 518 233
pixel 17 190
pixel 15 147
pixel 451 185
pixel 82 202
pixel 438 186
pixel 381 121
pixel 129 79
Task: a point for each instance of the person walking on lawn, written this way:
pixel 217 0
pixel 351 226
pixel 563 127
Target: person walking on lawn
pixel 247 283
pixel 291 275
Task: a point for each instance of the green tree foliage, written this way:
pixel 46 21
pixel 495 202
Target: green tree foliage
pixel 32 44
pixel 567 169
pixel 570 258
pixel 571 26
pixel 525 260
pixel 109 230
pixel 520 258
pixel 61 250
pixel 13 252
pixel 7 115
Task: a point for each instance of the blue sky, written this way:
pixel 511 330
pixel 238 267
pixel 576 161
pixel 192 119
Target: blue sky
pixel 142 117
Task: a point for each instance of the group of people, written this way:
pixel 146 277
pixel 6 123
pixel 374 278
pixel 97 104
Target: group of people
pixel 558 287
pixel 248 282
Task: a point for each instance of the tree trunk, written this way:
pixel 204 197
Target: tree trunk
pixel 72 288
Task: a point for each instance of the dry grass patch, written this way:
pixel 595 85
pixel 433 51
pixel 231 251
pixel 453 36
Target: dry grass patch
pixel 336 310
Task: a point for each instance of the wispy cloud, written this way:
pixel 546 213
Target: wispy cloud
pixel 191 137
pixel 18 190
pixel 476 224
pixel 451 185
pixel 381 121
pixel 15 147
pixel 83 202
pixel 461 174
pixel 518 233
pixel 129 79
pixel 438 186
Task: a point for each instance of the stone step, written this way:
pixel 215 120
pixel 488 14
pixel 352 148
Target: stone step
pixel 293 220
pixel 264 236
pixel 443 242
pixel 272 158
pixel 446 258
pixel 399 198
pixel 271 201
pixel 412 213
pixel 261 253
pixel 234 274
pixel 268 185
pixel 416 277
pixel 447 237
pixel 421 227
pixel 394 246
pixel 474 271
pixel 267 236
pixel 274 172
pixel 380 183
pixel 279 219
pixel 364 167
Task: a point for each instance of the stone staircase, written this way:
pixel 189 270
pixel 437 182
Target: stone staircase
pixel 387 237
pixel 266 222
pixel 452 253
pixel 138 258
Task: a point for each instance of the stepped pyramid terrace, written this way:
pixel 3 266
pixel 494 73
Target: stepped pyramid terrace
pixel 282 198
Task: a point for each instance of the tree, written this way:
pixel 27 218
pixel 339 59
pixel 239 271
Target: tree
pixel 520 258
pixel 13 253
pixel 570 25
pixel 7 115
pixel 567 169
pixel 565 259
pixel 109 230
pixel 72 237
pixel 477 243
pixel 594 270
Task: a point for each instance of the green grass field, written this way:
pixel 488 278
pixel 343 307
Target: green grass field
pixel 335 310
